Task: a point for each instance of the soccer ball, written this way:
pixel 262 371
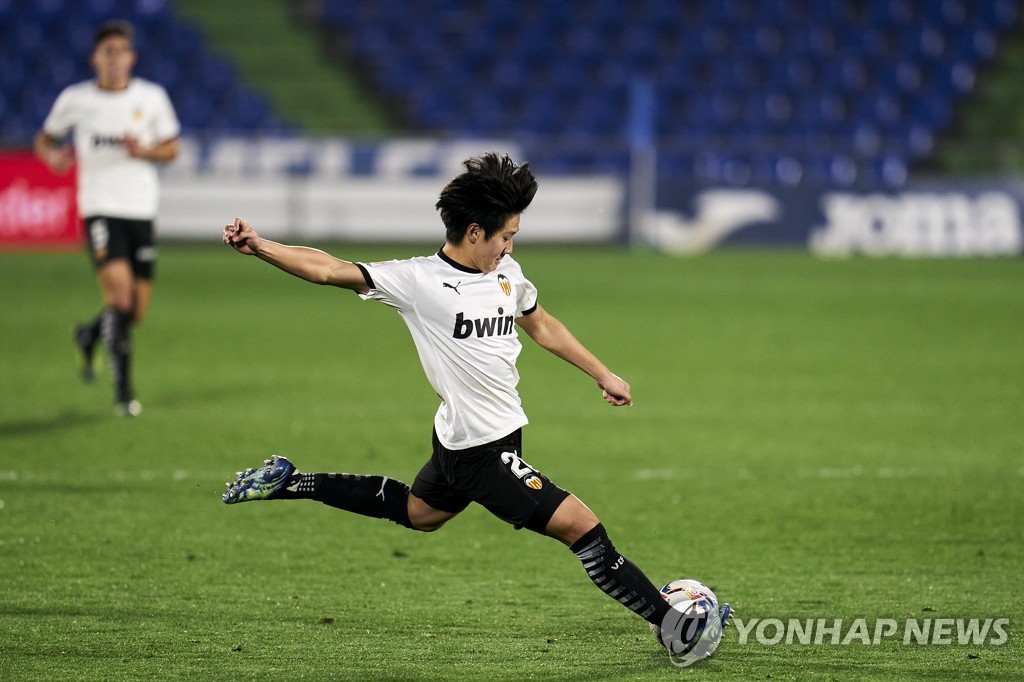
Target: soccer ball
pixel 679 591
pixel 693 628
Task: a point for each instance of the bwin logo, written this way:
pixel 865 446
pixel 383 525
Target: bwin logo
pixel 107 141
pixel 502 325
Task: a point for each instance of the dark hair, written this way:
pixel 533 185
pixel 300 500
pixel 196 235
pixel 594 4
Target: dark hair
pixel 492 190
pixel 114 27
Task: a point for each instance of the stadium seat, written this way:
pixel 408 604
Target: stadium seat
pixel 790 78
pixel 171 52
pixel 808 89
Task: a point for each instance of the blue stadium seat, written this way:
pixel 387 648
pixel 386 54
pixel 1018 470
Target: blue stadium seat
pixel 889 171
pixel 998 14
pixel 834 91
pixel 32 73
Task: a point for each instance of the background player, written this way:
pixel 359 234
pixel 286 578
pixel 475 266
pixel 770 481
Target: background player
pixel 122 127
pixel 461 306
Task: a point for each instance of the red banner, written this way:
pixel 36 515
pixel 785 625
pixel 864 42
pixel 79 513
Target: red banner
pixel 38 209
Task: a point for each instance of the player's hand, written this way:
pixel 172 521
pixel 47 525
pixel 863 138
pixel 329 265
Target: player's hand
pixel 616 391
pixel 136 149
pixel 162 152
pixel 241 237
pixel 60 159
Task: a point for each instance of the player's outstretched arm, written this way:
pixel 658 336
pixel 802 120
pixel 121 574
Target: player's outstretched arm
pixel 552 335
pixel 312 265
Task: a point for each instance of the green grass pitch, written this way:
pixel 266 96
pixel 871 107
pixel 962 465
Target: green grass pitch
pixel 813 439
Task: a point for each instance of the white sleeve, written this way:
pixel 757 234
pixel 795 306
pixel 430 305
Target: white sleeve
pixel 62 117
pixel 165 122
pixel 391 282
pixel 526 296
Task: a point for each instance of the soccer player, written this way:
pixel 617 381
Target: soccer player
pixel 122 128
pixel 462 306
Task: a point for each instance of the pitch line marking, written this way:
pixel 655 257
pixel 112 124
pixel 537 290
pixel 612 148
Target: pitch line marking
pixel 808 473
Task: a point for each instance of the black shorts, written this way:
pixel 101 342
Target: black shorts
pixel 113 238
pixel 492 475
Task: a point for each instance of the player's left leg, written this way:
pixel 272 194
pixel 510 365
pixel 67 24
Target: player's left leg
pixel 143 258
pixel 571 521
pixel 143 295
pixel 117 282
pixel 498 478
pixel 575 525
pixel 88 334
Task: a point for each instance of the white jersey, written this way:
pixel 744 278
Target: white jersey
pixel 110 182
pixel 463 324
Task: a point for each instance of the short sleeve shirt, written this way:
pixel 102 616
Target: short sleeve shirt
pixel 463 324
pixel 110 182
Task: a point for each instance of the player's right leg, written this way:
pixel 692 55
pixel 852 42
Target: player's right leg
pixel 379 497
pixel 424 517
pixel 86 336
pixel 110 247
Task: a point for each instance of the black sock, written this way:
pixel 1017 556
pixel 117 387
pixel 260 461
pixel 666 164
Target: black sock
pixel 115 329
pixel 379 497
pixel 93 329
pixel 618 577
pixel 86 336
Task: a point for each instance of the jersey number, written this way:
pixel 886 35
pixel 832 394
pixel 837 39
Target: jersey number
pixel 516 464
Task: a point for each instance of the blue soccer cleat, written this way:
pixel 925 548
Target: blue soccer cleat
pixel 262 483
pixel 725 613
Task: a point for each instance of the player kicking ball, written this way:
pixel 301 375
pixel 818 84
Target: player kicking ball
pixel 462 306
